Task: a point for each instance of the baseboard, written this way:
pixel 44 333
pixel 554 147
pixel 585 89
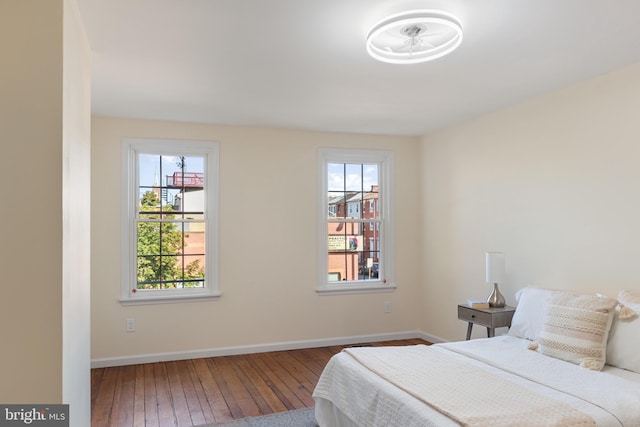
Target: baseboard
pixel 260 348
pixel 434 339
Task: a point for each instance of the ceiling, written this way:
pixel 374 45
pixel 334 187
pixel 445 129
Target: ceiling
pixel 302 64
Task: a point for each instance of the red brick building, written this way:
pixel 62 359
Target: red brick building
pixel 353 246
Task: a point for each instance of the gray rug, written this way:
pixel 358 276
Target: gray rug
pixel 297 418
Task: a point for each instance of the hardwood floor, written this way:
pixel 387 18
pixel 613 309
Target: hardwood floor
pixel 209 390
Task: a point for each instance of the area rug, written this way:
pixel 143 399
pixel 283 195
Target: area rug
pixel 297 418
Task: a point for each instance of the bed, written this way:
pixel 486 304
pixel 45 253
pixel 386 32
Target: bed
pixel 567 360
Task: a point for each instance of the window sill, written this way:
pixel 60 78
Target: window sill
pixel 341 289
pixel 169 299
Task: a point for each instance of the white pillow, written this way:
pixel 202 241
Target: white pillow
pixel 623 348
pixel 530 311
pixel 576 328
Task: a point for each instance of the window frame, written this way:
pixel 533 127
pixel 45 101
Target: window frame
pixel 384 159
pixel 131 147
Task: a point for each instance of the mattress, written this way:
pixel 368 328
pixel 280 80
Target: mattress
pixel 351 394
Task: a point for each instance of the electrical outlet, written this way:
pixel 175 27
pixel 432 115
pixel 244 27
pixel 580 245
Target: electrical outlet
pixel 131 325
pixel 387 306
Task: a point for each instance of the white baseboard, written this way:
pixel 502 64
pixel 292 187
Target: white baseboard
pixel 433 339
pixel 260 348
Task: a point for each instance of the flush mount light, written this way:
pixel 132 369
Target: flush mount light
pixel 414 36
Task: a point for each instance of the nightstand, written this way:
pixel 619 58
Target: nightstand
pixel 492 318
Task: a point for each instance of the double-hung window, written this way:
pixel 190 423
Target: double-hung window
pixel 355 242
pixel 169 221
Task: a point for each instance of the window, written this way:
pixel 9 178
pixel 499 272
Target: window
pixel 169 221
pixel 354 242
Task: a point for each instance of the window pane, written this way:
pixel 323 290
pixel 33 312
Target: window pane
pixel 193 268
pixel 183 171
pixel 335 177
pixel 159 272
pixel 170 238
pixel 353 204
pixel 148 201
pixel 343 266
pixel 371 203
pixel 370 177
pixel 353 177
pixel 170 271
pixel 335 203
pixel 148 238
pixel 353 190
pixel 185 182
pixel 192 204
pixel 354 218
pixel 149 170
pixel 344 245
pixel 171 253
pixel 194 238
pixel 148 271
pixel 344 236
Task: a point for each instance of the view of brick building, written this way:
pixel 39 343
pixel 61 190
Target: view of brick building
pixel 353 241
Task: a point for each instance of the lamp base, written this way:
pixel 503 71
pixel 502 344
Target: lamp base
pixel 496 299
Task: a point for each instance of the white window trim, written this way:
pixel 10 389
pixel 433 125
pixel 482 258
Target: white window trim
pixel 384 159
pixel 130 184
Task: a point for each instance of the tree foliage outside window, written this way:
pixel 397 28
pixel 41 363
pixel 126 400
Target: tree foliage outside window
pixel 160 242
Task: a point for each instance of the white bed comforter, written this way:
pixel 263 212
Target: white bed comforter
pixel 610 397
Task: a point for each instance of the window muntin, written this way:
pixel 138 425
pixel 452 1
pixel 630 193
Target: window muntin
pixel 354 232
pixel 170 220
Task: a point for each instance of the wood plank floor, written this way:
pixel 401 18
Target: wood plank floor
pixel 209 390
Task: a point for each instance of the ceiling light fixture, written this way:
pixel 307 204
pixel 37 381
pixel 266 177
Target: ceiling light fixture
pixel 414 36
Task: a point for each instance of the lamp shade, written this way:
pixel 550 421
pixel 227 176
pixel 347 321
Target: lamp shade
pixel 494 267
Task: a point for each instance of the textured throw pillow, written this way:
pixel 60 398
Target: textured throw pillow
pixel 576 329
pixel 623 348
pixel 530 312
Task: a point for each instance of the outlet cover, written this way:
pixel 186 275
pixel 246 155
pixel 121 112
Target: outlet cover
pixel 387 306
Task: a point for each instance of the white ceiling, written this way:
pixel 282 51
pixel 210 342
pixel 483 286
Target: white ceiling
pixel 302 64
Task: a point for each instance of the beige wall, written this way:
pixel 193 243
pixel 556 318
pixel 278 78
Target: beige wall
pixel 45 119
pixel 76 206
pixel 268 198
pixel 553 183
pixel 31 253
